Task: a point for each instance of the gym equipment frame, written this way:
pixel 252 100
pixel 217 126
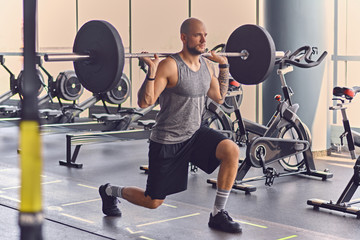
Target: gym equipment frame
pixel 344 204
pixel 285 138
pixel 128 118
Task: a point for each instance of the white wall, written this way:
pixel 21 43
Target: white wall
pixel 10 39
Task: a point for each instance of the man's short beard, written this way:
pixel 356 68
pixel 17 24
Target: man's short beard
pixel 194 51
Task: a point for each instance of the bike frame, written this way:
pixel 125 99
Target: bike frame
pixel 284 117
pixel 344 202
pixel 246 126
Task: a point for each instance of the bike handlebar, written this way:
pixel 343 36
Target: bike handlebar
pixel 302 53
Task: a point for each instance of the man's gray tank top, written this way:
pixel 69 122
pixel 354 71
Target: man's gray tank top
pixel 182 106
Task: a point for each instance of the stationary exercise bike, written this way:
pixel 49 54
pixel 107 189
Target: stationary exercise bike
pixel 284 139
pixel 66 86
pixel 16 88
pixel 65 90
pixel 343 96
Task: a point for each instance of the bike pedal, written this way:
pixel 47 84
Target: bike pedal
pixel 270 175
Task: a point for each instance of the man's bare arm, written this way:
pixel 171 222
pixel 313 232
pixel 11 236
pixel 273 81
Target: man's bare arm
pixel 219 85
pixel 223 81
pixel 154 83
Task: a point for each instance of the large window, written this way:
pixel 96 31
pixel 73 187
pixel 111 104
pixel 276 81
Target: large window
pixel 347 52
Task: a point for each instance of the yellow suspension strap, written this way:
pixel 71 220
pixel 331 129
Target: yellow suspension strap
pixel 30 216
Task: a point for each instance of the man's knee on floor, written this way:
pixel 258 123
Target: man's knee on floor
pixel 154 203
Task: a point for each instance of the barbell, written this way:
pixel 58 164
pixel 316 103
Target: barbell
pixel 98 55
pixel 58 57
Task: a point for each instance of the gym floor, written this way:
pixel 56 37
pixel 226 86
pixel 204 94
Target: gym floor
pixel 72 205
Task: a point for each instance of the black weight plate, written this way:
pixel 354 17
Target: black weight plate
pixel 120 93
pixel 39 82
pixel 68 86
pixel 261 60
pixel 102 41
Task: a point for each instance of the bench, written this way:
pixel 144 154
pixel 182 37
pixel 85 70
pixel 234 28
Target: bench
pixel 79 139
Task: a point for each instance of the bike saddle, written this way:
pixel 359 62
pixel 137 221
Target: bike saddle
pixel 348 93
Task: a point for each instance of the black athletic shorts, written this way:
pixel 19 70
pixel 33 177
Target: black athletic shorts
pixel 169 163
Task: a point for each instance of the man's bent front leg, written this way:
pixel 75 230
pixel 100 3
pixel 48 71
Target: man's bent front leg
pixel 228 153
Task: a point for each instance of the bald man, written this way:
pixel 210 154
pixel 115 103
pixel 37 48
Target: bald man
pixel 181 82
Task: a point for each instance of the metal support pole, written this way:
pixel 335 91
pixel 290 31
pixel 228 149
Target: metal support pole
pixel 30 216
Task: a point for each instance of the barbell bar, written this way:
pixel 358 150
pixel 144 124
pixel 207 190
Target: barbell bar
pixel 87 57
pixel 98 55
pixel 59 57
